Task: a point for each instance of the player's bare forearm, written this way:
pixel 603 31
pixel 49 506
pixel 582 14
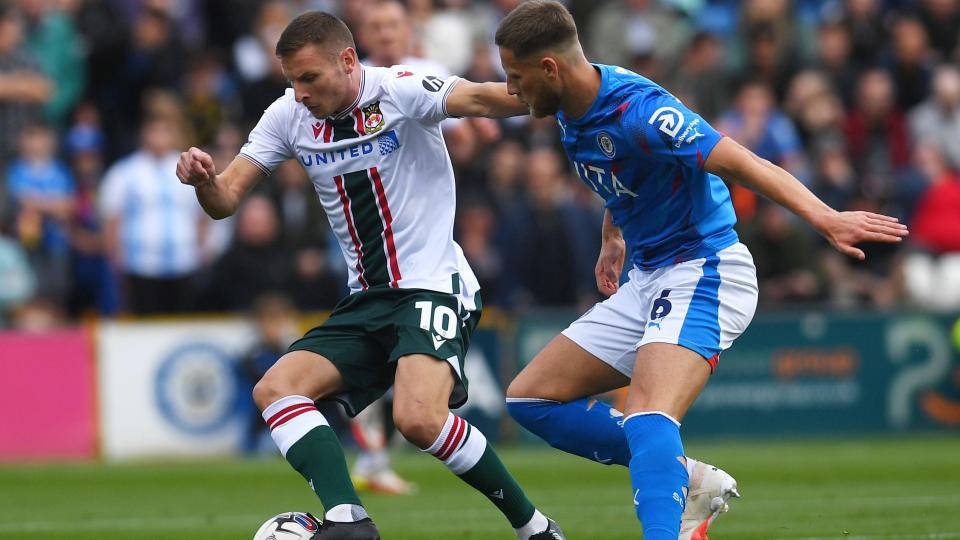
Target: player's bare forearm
pixel 216 199
pixel 731 161
pixel 490 100
pixel 612 252
pixel 843 230
pixel 218 194
pixel 609 230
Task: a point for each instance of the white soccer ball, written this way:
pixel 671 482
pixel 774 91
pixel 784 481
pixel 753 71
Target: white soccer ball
pixel 288 526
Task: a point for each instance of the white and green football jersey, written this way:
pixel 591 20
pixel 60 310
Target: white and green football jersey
pixel 383 175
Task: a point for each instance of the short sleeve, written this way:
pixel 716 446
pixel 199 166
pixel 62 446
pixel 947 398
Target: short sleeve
pixel 267 145
pixel 666 130
pixel 112 191
pixel 422 96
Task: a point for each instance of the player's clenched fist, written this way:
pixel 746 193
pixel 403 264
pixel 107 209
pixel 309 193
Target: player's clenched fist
pixel 195 167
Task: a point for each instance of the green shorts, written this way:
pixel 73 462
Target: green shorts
pixel 369 330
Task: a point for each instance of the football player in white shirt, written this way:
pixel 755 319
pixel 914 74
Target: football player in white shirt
pixel 370 140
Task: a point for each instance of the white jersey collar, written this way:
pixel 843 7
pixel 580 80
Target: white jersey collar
pixel 348 110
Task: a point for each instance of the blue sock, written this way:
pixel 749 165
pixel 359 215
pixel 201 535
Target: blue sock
pixel 585 427
pixel 657 472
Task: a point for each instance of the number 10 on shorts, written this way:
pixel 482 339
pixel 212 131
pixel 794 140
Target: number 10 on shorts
pixel 444 319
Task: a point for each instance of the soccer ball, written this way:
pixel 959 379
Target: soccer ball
pixel 288 526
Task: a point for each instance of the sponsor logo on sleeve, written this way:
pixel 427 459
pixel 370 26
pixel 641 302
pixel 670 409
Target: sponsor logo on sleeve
pixel 690 134
pixel 669 120
pixel 432 84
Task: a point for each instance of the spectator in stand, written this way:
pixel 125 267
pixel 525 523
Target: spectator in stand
pixel 932 270
pixel 42 192
pixel 275 320
pixel 941 18
pixel 876 134
pixel 804 90
pixel 834 180
pixel 476 232
pixel 864 22
pixel 207 100
pixel 93 287
pixel 619 32
pixel 387 35
pixel 23 88
pixel 255 263
pixel 786 256
pixel 770 41
pixel 305 236
pixel 834 58
pixel 19 281
pixel 446 32
pixel 912 62
pixel 52 38
pixel 548 233
pixel 254 59
pixel 756 123
pixel 936 121
pixel 155 59
pixel 701 80
pixel 154 226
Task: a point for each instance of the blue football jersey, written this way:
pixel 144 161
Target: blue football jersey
pixel 643 151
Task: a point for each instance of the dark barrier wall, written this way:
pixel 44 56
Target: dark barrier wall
pixel 820 373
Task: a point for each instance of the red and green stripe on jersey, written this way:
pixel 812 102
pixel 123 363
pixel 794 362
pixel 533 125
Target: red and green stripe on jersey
pixel 367 212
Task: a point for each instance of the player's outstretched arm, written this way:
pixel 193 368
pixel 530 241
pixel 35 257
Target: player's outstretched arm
pixel 489 100
pixel 219 194
pixel 610 261
pixel 843 230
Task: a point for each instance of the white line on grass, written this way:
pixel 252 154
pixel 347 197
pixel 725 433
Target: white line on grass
pixel 928 536
pixel 122 524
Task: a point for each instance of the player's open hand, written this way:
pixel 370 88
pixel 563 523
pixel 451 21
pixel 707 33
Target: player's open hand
pixel 846 229
pixel 195 167
pixel 609 265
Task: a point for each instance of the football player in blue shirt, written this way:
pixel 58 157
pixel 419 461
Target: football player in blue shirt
pixel 692 285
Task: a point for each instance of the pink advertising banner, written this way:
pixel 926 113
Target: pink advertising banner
pixel 47 396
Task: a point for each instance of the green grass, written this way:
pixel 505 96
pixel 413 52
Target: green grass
pixel 877 488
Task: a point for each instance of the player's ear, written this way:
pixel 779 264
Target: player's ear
pixel 348 59
pixel 550 67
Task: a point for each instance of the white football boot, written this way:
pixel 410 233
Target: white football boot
pixel 709 490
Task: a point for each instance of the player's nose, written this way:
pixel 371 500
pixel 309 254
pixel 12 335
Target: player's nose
pixel 300 93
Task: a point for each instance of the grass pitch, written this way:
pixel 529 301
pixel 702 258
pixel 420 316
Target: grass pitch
pixel 856 489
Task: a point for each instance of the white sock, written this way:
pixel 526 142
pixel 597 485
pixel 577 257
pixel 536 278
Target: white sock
pixel 370 462
pixel 459 445
pixel 290 418
pixel 690 464
pixel 537 524
pixel 346 513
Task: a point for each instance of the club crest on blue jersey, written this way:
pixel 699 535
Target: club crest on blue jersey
pixel 372 118
pixel 605 142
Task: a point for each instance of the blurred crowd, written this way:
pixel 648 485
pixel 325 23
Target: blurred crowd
pixel 860 99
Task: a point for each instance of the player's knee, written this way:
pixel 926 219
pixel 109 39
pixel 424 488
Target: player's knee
pixel 520 388
pixel 268 390
pixel 420 427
